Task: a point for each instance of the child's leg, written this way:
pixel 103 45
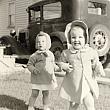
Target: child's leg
pixel 89 102
pixel 46 99
pixel 32 99
pixel 73 106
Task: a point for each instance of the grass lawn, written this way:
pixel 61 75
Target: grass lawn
pixel 15 91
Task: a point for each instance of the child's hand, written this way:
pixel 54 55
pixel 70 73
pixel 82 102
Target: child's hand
pixel 65 66
pixel 103 73
pixel 54 81
pixel 69 68
pixel 36 71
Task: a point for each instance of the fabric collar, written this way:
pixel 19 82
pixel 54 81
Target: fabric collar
pixel 84 49
pixel 45 53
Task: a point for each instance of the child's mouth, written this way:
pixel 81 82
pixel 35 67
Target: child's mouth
pixel 40 46
pixel 76 44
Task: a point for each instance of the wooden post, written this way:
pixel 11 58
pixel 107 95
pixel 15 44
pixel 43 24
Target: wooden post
pixel 2 50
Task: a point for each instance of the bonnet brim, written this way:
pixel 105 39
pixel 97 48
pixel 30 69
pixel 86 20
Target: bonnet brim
pixel 73 24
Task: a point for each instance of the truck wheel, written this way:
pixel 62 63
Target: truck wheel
pixel 56 48
pixel 10 43
pixel 99 39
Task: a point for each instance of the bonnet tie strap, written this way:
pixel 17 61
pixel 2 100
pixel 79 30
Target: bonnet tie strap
pixel 43 52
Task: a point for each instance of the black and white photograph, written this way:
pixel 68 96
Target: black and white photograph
pixel 54 54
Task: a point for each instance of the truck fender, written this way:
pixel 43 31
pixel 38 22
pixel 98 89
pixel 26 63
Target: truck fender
pixel 59 43
pixel 60 36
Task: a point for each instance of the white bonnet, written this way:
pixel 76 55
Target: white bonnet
pixel 48 43
pixel 71 25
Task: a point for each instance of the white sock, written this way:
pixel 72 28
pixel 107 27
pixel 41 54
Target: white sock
pixel 30 108
pixel 46 107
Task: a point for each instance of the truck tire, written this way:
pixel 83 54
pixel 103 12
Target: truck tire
pixel 11 45
pixel 56 48
pixel 100 39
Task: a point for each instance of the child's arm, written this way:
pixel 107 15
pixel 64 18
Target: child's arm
pixel 64 65
pixel 30 65
pixel 97 66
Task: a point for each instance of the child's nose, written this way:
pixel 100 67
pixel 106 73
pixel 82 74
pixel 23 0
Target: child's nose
pixel 40 43
pixel 77 39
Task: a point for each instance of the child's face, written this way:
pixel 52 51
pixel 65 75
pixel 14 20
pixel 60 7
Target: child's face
pixel 41 43
pixel 77 37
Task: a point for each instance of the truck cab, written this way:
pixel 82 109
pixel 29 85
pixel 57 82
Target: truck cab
pixel 52 16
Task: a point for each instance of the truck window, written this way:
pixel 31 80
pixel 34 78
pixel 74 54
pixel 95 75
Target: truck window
pixel 51 11
pixel 97 8
pixel 35 16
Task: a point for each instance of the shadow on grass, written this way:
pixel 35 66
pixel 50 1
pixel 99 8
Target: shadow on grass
pixel 12 103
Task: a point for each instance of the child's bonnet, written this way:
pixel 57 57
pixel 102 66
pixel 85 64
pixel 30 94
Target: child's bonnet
pixel 73 24
pixel 48 40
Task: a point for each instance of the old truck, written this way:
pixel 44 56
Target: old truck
pixel 52 16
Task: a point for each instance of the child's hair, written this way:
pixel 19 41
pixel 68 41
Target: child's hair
pixel 48 40
pixel 75 23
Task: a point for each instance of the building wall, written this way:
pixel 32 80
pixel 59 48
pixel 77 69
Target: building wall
pixel 21 14
pixel 21 17
pixel 3 17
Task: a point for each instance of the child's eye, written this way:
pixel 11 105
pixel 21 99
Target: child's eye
pixel 73 37
pixel 80 37
pixel 37 42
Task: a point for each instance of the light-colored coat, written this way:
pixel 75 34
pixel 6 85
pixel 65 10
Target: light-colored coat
pixel 44 64
pixel 86 66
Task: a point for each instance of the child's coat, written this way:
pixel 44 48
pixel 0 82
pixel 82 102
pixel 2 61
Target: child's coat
pixel 44 63
pixel 81 80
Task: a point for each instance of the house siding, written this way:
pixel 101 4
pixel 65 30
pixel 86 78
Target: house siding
pixel 21 16
pixel 3 17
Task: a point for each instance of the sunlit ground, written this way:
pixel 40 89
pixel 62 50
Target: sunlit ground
pixel 15 91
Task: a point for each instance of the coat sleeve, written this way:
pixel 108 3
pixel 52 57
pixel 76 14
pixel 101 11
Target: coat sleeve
pixel 31 63
pixel 97 65
pixel 63 64
pixel 56 68
pixel 54 65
